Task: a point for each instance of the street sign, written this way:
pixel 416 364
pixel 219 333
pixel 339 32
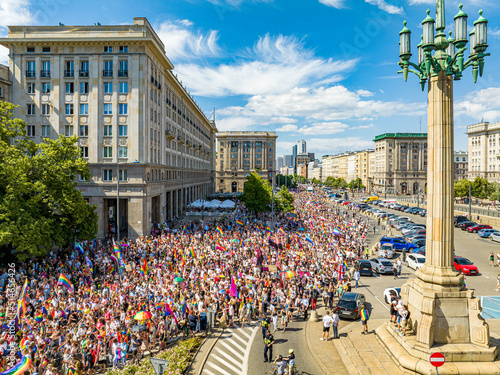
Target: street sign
pixel 158 365
pixel 437 359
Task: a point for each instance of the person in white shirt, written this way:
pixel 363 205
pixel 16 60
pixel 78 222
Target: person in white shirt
pixel 335 324
pixel 327 322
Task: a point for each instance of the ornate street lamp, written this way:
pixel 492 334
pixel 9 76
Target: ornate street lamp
pixel 443 310
pixel 449 54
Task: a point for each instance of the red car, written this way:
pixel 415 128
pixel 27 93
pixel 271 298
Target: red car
pixel 346 203
pixel 465 266
pixel 476 228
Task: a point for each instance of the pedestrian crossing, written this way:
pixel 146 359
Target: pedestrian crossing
pixel 230 354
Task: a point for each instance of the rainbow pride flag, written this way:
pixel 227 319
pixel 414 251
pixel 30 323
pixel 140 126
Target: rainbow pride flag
pixel 39 317
pixel 219 229
pixel 19 368
pixel 89 264
pixel 240 223
pixel 170 266
pixel 364 315
pixel 144 268
pixel 268 228
pixel 64 281
pixel 193 253
pixel 218 246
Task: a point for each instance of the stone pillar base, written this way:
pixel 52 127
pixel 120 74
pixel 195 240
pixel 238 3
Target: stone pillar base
pixel 314 316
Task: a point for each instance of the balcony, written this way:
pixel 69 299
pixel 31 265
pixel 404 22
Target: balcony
pixel 30 74
pixel 169 134
pixel 83 73
pixel 45 73
pixel 107 73
pixel 180 139
pixel 69 73
pixel 122 73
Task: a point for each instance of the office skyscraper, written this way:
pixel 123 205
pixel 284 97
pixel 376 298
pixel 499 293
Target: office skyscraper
pixel 302 147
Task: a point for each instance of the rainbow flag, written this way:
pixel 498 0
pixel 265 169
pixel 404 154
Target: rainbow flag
pixel 193 253
pixel 64 281
pixel 39 317
pixel 20 368
pixel 89 264
pixel 113 258
pixel 170 266
pixel 269 229
pixel 240 223
pixel 345 265
pixel 218 246
pixel 363 313
pixel 169 310
pixel 281 230
pixel 79 247
pixel 144 268
pixel 220 231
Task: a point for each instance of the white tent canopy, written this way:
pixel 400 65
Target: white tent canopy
pixel 227 204
pixel 213 204
pixel 197 204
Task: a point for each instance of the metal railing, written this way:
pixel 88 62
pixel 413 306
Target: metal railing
pixel 69 73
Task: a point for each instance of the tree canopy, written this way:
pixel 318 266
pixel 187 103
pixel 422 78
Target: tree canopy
pixel 39 203
pixel 256 194
pixel 336 182
pixel 356 184
pixel 286 199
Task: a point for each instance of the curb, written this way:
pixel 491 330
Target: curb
pixel 320 364
pixel 208 352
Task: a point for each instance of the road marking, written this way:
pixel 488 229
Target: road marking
pixel 485 276
pixel 207 372
pixel 219 369
pixel 383 304
pixel 229 358
pixel 234 335
pixel 231 366
pixel 236 345
pixel 247 353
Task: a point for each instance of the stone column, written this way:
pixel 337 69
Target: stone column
pixel 438 269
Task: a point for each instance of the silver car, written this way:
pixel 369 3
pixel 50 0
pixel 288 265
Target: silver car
pixel 495 236
pixel 381 265
pixel 387 251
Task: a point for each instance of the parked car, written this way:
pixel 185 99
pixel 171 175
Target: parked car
pixel 365 267
pixel 419 241
pixel 485 233
pixel 476 228
pixel 415 261
pixel 465 224
pixel 495 236
pixel 349 305
pixel 412 227
pixel 459 219
pixel 399 243
pixel 389 293
pixel 420 250
pixel 386 250
pixel 423 213
pixel 416 232
pixel 465 266
pixel 381 265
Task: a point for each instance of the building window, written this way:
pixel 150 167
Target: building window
pixel 123 49
pixel 84 87
pixel 108 87
pixel 123 130
pixel 68 130
pixel 30 69
pixel 45 49
pixel 84 109
pixel 108 49
pixel 46 88
pixel 30 88
pixel 45 73
pixel 46 131
pixel 108 69
pixel 123 109
pixel 108 151
pixel 108 109
pixel 84 130
pixel 30 109
pixel 107 175
pixel 30 130
pixel 123 87
pixel 70 87
pixel 69 71
pixel 123 70
pixel 84 152
pixel 30 49
pixel 84 68
pixel 122 151
pixel 122 174
pixel 69 109
pixel 108 130
pixel 45 109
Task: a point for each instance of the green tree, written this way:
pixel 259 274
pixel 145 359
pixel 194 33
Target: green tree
pixel 256 193
pixel 481 188
pixel 340 183
pixel 461 188
pixel 355 184
pixel 315 181
pixel 39 203
pixel 286 200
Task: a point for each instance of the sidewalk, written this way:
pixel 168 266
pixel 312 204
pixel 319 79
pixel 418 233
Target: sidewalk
pixel 203 352
pixel 353 353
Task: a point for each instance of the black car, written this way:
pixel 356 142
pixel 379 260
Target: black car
pixel 349 305
pixel 364 267
pixel 465 224
pixel 459 219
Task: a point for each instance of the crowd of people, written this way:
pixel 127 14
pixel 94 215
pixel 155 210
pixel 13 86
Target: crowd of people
pixel 122 300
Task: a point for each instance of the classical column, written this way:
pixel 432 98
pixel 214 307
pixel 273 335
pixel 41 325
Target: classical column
pixel 439 269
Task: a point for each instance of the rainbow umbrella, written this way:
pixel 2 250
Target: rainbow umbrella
pixel 289 274
pixel 142 315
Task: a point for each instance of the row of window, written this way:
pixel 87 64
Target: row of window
pixel 84 88
pixel 107 174
pixel 83 130
pixel 106 49
pixel 69 71
pixel 84 109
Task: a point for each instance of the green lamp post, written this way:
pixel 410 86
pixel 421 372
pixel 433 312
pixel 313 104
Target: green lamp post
pixel 449 53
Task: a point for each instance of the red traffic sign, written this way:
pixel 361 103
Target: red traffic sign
pixel 437 359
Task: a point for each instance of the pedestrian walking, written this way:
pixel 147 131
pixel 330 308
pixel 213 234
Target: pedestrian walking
pixel 327 322
pixel 364 315
pixel 356 276
pixel 335 324
pixel 268 347
pixel 400 266
pixel 498 283
pixel 264 324
pixel 395 270
pixel 492 259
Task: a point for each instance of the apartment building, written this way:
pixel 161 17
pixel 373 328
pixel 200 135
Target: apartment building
pixel 348 165
pixel 145 138
pixel 484 151
pixel 241 153
pixel 401 163
pixel 5 83
pixel 460 164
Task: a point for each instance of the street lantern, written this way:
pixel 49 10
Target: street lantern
pixel 480 28
pixel 461 28
pixel 421 54
pixel 450 50
pixel 404 41
pixel 472 36
pixel 428 26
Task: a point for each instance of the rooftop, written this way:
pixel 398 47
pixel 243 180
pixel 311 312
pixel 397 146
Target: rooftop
pixel 400 135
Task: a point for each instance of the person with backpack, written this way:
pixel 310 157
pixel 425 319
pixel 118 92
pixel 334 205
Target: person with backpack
pixel 364 315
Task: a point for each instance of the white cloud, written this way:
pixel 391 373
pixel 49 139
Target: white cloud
pixel 273 65
pixel 419 2
pixel 494 32
pixel 384 6
pixel 334 145
pixel 333 3
pixel 363 127
pixel 15 12
pixel 182 43
pixel 323 128
pixel 235 123
pixel 4 55
pixel 287 128
pixel 483 104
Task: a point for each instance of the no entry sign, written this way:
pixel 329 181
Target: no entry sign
pixel 437 359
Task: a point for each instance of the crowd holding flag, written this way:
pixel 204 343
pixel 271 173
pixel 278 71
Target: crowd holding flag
pixel 64 281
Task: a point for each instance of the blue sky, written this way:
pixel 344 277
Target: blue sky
pixel 320 70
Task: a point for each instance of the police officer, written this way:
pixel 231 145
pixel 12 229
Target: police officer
pixel 264 324
pixel 268 346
